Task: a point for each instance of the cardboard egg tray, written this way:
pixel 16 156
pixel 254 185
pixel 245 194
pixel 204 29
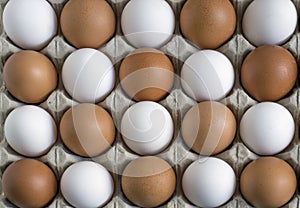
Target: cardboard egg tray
pixel 177 102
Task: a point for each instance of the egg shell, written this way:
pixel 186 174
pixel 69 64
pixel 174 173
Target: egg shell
pixel 147 128
pixel 207 23
pixel 269 72
pixel 207 75
pixel 87 23
pixel 29 76
pixel 148 23
pixel 209 182
pixel 268 182
pixel 30 130
pixel 146 74
pixel 27 29
pixel 29 183
pixel 267 128
pixel 87 130
pixel 87 184
pixel 148 181
pixel 208 128
pixel 269 22
pixel 88 75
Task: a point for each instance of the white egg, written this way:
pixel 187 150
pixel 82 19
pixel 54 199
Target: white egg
pixel 209 182
pixel 30 130
pixel 88 75
pixel 267 128
pixel 207 75
pixel 148 23
pixel 147 128
pixel 269 22
pixel 30 24
pixel 87 184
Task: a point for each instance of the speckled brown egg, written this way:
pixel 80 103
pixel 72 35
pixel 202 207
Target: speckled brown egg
pixel 29 183
pixel 207 23
pixel 146 74
pixel 87 23
pixel 87 130
pixel 29 76
pixel 208 128
pixel 268 182
pixel 148 181
pixel 268 73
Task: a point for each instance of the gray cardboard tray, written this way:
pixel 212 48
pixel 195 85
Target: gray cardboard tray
pixel 178 49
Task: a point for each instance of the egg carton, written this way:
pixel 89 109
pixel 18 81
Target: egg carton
pixel 177 102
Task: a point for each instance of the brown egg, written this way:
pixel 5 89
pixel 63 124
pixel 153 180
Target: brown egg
pixel 269 73
pixel 29 76
pixel 208 128
pixel 29 183
pixel 208 23
pixel 268 182
pixel 87 23
pixel 146 74
pixel 148 181
pixel 87 130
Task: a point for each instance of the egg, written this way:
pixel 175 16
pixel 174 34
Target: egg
pixel 148 181
pixel 267 128
pixel 268 182
pixel 87 23
pixel 88 75
pixel 207 75
pixel 269 72
pixel 208 128
pixel 29 183
pixel 147 23
pixel 209 182
pixel 147 128
pixel 207 23
pixel 28 29
pixel 29 76
pixel 30 130
pixel 146 74
pixel 269 22
pixel 87 184
pixel 87 130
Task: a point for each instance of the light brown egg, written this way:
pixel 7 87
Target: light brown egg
pixel 146 74
pixel 269 72
pixel 208 128
pixel 87 130
pixel 207 23
pixel 148 181
pixel 29 183
pixel 29 76
pixel 268 182
pixel 87 23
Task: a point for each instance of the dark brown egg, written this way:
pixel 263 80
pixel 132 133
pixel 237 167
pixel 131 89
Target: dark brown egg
pixel 268 73
pixel 87 23
pixel 29 76
pixel 29 183
pixel 208 128
pixel 146 74
pixel 207 23
pixel 148 181
pixel 268 182
pixel 87 130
